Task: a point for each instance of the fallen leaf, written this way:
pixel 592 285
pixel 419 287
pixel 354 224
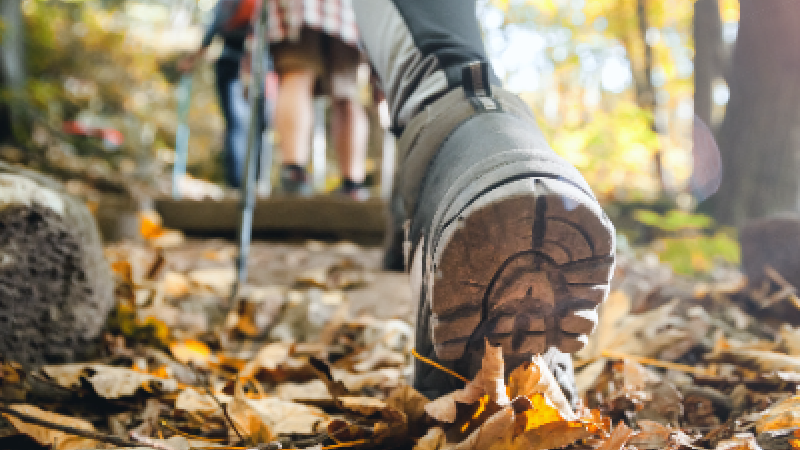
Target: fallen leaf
pixel 761 360
pixel 409 401
pixel 335 387
pixel 651 435
pixel 741 441
pixel 176 285
pixel 379 356
pixel 385 378
pixel 282 417
pixel 366 406
pixel 549 436
pixel 618 438
pixel 313 391
pixel 191 351
pixel 268 358
pixel 783 415
pixel 108 381
pixel 434 439
pixel 150 224
pixel 535 378
pixel 248 420
pixel 488 381
pixel 48 437
pixel 218 280
pixel 492 434
pixel 192 401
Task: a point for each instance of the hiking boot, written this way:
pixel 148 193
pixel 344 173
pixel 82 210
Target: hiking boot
pixel 294 181
pixel 509 243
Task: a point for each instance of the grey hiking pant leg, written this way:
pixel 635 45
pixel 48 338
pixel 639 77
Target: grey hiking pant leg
pixel 418 48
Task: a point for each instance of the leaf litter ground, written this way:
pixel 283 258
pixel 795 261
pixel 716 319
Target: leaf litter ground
pixel 317 353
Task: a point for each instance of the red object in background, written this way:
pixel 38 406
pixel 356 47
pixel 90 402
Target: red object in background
pixel 243 14
pixel 110 136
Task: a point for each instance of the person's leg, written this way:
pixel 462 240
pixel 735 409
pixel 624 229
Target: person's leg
pixel 349 124
pixel 349 129
pixel 508 244
pixel 297 65
pixel 235 111
pixel 294 115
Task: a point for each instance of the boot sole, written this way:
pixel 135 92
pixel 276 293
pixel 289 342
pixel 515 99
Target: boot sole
pixel 523 264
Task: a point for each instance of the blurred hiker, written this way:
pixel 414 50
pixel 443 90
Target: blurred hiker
pixel 506 241
pixel 231 21
pixel 314 43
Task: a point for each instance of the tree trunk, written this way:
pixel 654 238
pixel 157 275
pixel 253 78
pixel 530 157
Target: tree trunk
pixel 707 31
pixel 12 66
pixel 759 138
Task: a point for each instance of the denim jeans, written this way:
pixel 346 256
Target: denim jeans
pixel 236 110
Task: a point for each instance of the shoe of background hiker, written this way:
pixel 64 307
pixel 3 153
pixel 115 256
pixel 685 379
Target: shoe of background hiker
pixel 352 190
pixel 294 181
pixel 509 243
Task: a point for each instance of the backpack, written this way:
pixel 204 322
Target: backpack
pixel 242 15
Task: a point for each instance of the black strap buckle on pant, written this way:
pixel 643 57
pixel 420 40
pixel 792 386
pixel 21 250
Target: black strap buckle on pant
pixel 475 78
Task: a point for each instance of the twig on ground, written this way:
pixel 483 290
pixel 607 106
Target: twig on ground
pixel 111 439
pixel 142 440
pixel 224 411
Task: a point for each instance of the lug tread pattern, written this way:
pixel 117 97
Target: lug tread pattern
pixel 526 272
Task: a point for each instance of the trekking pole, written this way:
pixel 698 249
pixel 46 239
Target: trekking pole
pixel 254 141
pixel 181 134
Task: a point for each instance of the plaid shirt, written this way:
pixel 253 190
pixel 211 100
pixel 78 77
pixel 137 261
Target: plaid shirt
pixel 332 17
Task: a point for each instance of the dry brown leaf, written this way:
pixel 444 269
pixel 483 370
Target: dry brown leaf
pixel 636 377
pixel 150 224
pixel 488 381
pixel 248 420
pixel 618 438
pixel 218 280
pixel 385 378
pixel 168 239
pixel 549 436
pixel 651 435
pixel 192 401
pixel 314 277
pixel 366 406
pixel 742 441
pixel 191 351
pixel 313 391
pixel 492 434
pixel 790 338
pixel 535 378
pixel 176 285
pixel 335 387
pixel 614 310
pixel 282 417
pixel 268 358
pixel 434 439
pixel 378 356
pixel 48 437
pixel 108 381
pixel 407 400
pixel 783 415
pixel 761 360
pixel 647 334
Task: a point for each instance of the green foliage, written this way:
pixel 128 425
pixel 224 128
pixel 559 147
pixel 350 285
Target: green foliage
pixel 607 133
pixel 674 220
pixel 123 322
pixel 690 246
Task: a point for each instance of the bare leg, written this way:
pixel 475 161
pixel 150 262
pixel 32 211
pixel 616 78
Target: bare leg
pixel 294 116
pixel 349 129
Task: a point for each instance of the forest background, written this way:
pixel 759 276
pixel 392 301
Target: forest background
pixel 623 89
